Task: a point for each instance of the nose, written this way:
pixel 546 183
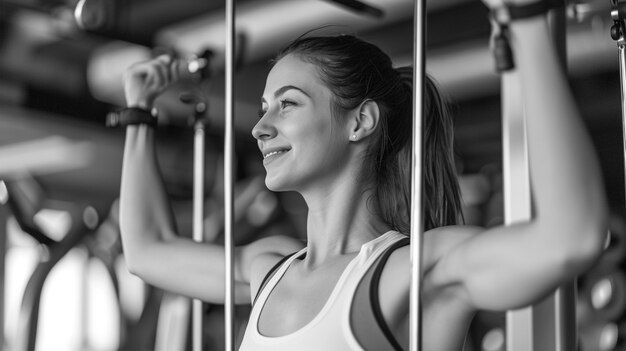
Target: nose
pixel 264 129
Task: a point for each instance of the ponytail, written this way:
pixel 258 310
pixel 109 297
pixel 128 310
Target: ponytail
pixel 442 199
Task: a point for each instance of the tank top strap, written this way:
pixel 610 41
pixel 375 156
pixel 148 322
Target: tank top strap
pixel 278 271
pixel 372 250
pixel 270 274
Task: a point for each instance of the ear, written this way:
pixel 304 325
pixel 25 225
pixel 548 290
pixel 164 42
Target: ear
pixel 365 120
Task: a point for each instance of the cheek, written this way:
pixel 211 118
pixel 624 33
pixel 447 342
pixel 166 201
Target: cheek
pixel 323 140
pixel 331 150
pixel 310 132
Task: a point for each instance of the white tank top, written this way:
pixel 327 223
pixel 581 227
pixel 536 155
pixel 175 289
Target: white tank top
pixel 330 329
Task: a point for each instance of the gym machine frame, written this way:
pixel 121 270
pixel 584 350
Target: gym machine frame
pixel 618 32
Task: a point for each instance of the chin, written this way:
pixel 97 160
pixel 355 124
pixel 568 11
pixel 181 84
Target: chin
pixel 276 184
pixel 272 184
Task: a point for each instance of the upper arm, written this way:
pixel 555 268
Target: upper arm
pixel 196 270
pixel 511 266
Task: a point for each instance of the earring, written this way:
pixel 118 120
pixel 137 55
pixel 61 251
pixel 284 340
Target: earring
pixel 353 137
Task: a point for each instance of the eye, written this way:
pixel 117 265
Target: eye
pixel 286 103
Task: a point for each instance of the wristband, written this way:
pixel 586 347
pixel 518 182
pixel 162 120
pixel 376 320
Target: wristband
pixel 515 12
pixel 129 116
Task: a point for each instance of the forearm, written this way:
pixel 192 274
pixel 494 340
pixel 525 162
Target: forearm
pixel 145 213
pixel 565 175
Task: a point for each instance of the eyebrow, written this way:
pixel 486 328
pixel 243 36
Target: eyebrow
pixel 280 91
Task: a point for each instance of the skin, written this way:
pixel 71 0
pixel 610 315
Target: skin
pixel 465 268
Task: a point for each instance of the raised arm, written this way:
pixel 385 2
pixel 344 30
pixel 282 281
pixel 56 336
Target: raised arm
pixel 152 249
pixel 508 267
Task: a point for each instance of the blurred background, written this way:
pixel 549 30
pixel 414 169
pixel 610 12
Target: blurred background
pixel 63 282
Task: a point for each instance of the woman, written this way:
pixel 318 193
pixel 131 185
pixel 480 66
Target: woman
pixel 335 127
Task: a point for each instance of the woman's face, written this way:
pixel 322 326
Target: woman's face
pixel 303 146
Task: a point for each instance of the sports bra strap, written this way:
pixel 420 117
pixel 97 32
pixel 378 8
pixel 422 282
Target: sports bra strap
pixel 375 301
pixel 270 274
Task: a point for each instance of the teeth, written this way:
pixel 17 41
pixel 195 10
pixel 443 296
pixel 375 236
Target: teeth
pixel 273 153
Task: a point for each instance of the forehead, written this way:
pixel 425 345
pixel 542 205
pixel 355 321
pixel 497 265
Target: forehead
pixel 291 70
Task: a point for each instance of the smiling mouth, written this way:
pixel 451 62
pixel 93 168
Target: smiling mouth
pixel 274 153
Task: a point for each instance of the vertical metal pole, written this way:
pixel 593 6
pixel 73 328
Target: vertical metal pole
pixel 4 213
pixel 517 201
pixel 229 178
pixel 417 226
pixel 84 302
pixel 621 45
pixel 198 224
pixel 549 325
pixel 617 34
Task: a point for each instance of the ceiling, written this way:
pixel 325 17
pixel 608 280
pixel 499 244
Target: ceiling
pixel 58 80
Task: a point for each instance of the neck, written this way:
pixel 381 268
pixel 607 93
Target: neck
pixel 341 219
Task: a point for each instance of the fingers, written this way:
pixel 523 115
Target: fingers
pixel 154 73
pixel 144 81
pixel 159 73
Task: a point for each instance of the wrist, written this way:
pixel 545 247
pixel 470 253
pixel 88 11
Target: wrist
pixel 137 99
pixel 141 105
pixel 529 30
pixel 511 13
pixel 131 115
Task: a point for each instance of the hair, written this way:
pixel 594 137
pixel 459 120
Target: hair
pixel 356 71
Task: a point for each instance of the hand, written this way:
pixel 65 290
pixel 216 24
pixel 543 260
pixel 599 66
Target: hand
pixel 493 4
pixel 496 4
pixel 144 81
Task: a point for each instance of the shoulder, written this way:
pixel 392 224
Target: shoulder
pixel 261 255
pixel 276 244
pixel 436 244
pixel 267 251
pixel 395 278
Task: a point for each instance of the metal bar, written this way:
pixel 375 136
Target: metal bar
pixel 565 317
pixel 417 220
pixel 229 310
pixel 361 7
pixel 516 188
pixel 198 224
pixel 4 214
pixel 617 34
pixel 622 74
pixel 84 302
